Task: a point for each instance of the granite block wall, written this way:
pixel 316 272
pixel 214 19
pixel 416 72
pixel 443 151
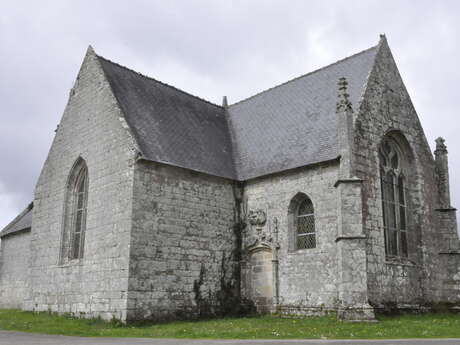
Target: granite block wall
pixel 182 243
pixel 307 278
pixel 14 269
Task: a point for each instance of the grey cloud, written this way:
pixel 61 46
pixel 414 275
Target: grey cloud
pixel 211 49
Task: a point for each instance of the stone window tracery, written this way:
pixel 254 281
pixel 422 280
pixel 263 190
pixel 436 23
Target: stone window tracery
pixel 394 204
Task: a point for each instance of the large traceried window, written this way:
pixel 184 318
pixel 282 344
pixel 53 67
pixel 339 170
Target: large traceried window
pixel 394 203
pixel 75 213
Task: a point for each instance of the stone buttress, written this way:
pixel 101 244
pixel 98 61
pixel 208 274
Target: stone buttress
pixel 351 244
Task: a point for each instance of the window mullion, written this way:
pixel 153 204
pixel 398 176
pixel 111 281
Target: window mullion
pixel 403 204
pixel 82 233
pixel 85 203
pixel 73 224
pixel 394 201
pixel 385 210
pixel 397 214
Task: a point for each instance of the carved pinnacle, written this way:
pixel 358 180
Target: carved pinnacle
pixel 440 146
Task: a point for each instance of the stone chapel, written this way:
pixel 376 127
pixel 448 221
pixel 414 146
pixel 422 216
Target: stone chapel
pixel 318 195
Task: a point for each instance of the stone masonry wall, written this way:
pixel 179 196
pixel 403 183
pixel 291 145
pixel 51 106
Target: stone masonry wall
pixel 307 278
pixel 14 269
pixel 387 108
pixel 450 261
pixel 93 128
pixel 182 243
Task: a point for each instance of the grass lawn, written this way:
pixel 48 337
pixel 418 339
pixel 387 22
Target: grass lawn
pixel 261 327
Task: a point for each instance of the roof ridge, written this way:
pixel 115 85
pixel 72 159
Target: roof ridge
pixel 304 75
pixel 158 81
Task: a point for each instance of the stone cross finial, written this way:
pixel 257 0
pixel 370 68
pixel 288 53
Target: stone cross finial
pixel 224 102
pixel 343 103
pixel 440 146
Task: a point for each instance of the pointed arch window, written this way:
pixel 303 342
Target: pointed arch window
pixel 394 205
pixel 75 213
pixel 306 236
pixel 301 223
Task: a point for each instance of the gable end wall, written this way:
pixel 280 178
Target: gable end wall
pixel 92 128
pixel 387 107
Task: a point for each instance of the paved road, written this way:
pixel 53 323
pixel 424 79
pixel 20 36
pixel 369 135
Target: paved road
pixel 17 338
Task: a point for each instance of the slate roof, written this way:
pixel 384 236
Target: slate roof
pixel 288 126
pixel 21 223
pixel 295 124
pixel 172 126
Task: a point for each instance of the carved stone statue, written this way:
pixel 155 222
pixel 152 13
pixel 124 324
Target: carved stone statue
pixel 257 218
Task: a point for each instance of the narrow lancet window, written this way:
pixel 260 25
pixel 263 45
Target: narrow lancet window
pixel 75 213
pixel 78 232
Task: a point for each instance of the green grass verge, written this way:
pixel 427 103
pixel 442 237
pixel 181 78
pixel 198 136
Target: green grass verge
pixel 260 327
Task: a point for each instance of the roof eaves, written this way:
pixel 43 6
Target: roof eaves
pixel 9 233
pixel 308 165
pixel 7 229
pixel 147 159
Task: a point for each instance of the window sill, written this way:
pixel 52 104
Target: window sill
pixel 400 262
pixel 72 263
pixel 307 251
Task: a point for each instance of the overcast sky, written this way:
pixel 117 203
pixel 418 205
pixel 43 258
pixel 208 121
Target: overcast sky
pixel 210 48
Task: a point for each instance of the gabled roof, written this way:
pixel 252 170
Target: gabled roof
pixel 22 222
pixel 172 126
pixel 288 126
pixel 295 124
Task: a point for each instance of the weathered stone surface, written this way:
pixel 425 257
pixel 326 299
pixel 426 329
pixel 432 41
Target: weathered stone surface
pixel 306 278
pixel 386 110
pixel 14 269
pixel 260 279
pixel 182 243
pixel 91 128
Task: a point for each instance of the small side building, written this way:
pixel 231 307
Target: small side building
pixel 14 260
